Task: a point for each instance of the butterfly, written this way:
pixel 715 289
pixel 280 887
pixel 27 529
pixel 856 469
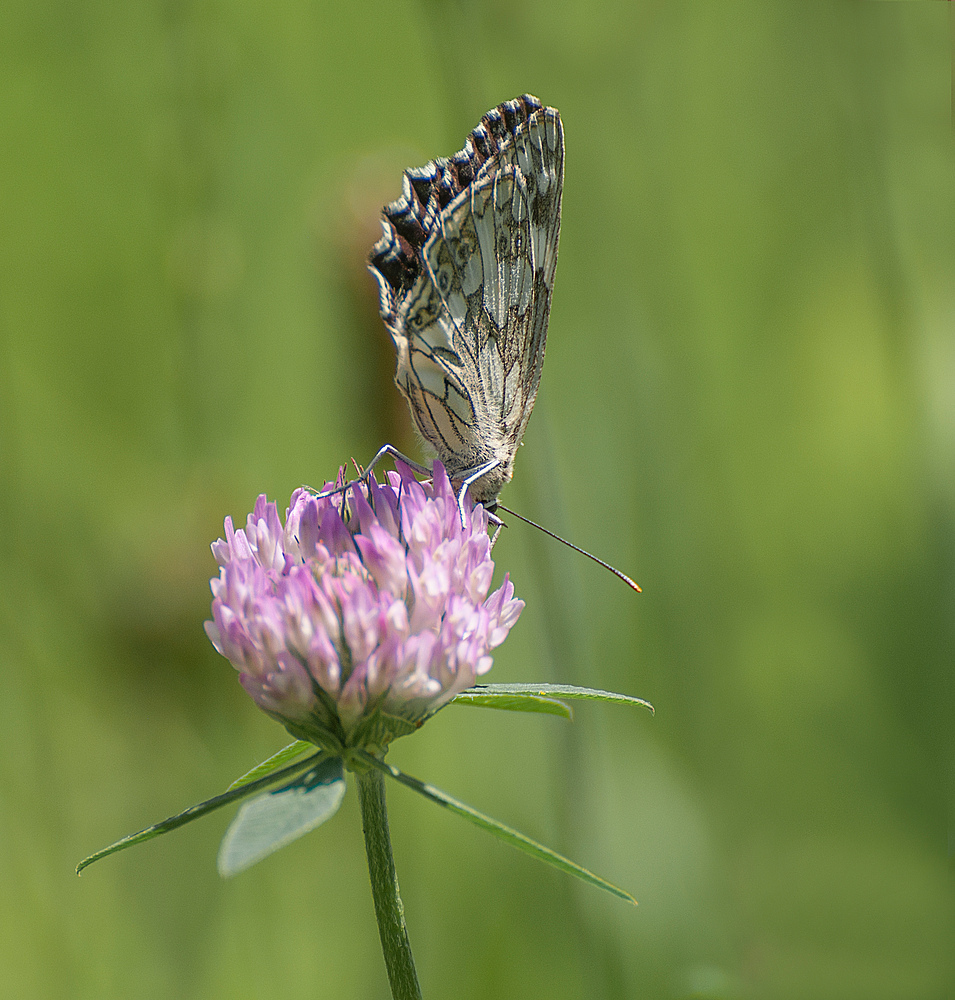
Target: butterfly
pixel 465 273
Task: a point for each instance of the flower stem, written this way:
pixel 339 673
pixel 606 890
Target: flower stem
pixel 384 888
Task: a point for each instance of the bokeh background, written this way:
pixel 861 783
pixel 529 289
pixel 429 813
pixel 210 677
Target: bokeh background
pixel 748 403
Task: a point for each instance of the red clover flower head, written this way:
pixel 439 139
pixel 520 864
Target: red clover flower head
pixel 365 614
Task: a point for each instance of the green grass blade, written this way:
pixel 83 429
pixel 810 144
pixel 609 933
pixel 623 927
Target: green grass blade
pixel 498 829
pixel 196 811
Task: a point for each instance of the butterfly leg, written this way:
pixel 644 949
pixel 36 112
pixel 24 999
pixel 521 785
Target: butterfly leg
pixel 468 477
pixel 499 525
pixel 472 476
pixel 386 449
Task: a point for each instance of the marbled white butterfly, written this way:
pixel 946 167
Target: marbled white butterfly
pixel 465 272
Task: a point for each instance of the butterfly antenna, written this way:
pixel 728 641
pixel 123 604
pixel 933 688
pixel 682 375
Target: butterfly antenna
pixel 613 569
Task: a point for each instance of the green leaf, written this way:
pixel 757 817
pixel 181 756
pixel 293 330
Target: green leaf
pixel 498 829
pixel 273 763
pixel 282 815
pixel 194 812
pixel 482 698
pixel 553 691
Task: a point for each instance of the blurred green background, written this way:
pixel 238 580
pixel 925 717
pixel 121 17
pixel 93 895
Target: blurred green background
pixel 748 403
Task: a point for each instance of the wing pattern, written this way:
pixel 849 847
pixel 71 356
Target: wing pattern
pixel 465 272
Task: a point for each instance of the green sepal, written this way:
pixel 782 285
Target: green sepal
pixel 553 692
pixel 495 827
pixel 278 817
pixel 378 729
pixel 194 812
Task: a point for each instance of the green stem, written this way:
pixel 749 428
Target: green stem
pixel 384 888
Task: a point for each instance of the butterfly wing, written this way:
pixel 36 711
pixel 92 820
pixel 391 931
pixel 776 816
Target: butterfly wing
pixel 465 272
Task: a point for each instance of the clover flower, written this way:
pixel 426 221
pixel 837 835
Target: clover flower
pixel 365 613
